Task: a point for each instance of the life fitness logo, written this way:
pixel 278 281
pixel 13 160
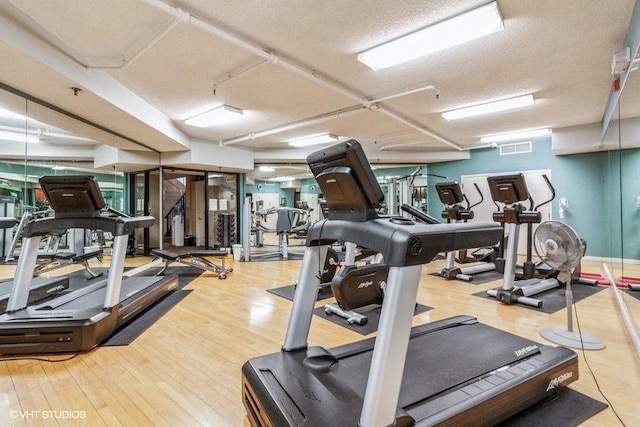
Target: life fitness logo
pixel 559 380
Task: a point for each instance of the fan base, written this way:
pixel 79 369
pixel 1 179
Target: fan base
pixel 572 339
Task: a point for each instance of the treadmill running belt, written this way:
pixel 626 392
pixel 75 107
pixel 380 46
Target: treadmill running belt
pixel 458 372
pixel 455 355
pixel 130 286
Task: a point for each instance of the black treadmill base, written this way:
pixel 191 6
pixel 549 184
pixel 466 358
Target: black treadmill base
pixel 458 372
pixel 73 328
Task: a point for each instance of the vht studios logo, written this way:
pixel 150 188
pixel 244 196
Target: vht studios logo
pixel 559 380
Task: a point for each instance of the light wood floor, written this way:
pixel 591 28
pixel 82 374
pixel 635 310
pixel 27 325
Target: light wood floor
pixel 185 369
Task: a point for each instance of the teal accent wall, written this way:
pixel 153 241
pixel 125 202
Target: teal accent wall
pixel 628 209
pixel 271 187
pixel 590 181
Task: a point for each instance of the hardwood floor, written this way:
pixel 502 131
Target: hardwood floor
pixel 185 369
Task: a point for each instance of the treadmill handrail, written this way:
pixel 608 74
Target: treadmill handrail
pixel 403 242
pixel 117 226
pixel 422 216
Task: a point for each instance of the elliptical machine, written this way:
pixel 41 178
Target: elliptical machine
pixel 511 190
pixel 452 197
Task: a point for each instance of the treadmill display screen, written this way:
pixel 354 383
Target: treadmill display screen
pixel 347 181
pixel 76 196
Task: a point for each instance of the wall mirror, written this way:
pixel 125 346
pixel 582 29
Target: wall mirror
pixel 36 140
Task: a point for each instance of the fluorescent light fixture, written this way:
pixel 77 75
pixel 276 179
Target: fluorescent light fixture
pixel 489 107
pixel 284 178
pixel 515 136
pixel 218 116
pixel 266 169
pixel 58 168
pixel 313 140
pixel 20 137
pixel 462 28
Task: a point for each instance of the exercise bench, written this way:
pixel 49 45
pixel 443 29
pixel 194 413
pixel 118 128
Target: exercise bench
pixel 57 260
pixel 195 259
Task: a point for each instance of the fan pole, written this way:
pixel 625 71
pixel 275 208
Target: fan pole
pixel 568 294
pixel 567 337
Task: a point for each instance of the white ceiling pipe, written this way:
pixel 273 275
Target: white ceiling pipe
pixel 294 125
pixel 309 74
pixel 409 92
pixel 129 61
pixel 330 116
pixel 152 42
pixel 419 128
pixel 243 69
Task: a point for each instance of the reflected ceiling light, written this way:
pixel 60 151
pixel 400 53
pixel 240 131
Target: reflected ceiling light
pixel 489 107
pixel 20 137
pixel 284 178
pixel 47 133
pixel 515 136
pixel 11 115
pixel 266 169
pixel 58 168
pixel 459 29
pixel 313 140
pixel 218 116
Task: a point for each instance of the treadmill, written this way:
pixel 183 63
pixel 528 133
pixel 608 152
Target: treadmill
pixel 82 319
pixel 455 371
pixel 40 289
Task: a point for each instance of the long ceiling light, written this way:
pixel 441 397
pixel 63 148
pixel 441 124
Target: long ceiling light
pixel 218 116
pixel 489 107
pixel 20 137
pixel 462 28
pixel 515 136
pixel 313 140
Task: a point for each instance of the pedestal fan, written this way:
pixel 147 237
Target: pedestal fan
pixel 558 245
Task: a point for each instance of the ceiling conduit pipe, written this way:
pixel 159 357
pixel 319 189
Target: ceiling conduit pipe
pixel 243 69
pixel 294 125
pixel 139 53
pixel 297 69
pixel 419 128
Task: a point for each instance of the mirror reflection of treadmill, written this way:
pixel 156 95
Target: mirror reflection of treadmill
pixel 455 371
pixel 82 319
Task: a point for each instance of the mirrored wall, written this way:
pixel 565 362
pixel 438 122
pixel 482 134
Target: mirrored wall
pixel 38 140
pixel 624 201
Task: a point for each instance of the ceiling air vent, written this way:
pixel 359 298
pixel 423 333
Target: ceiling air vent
pixel 515 148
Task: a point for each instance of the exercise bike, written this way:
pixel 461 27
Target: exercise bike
pixel 357 286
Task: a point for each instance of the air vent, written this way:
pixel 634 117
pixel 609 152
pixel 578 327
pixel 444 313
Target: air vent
pixel 515 148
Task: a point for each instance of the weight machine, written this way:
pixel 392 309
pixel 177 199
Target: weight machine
pixel 284 228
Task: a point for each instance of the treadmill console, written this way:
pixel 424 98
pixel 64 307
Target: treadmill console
pixel 347 182
pixel 74 196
